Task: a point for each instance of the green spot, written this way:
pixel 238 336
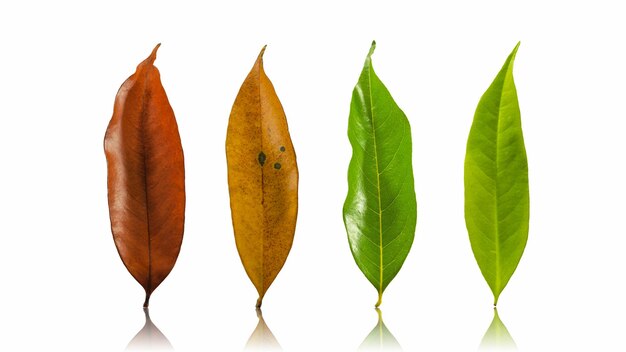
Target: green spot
pixel 282 149
pixel 262 158
pixel 277 166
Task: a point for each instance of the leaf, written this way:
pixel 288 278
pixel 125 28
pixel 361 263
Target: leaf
pixel 149 338
pixel 380 210
pixel 146 178
pixel 380 338
pixel 497 337
pixel 262 179
pixel 496 182
pixel 262 338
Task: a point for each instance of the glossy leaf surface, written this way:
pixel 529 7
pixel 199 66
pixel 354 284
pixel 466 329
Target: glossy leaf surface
pixel 146 178
pixel 496 182
pixel 262 179
pixel 380 211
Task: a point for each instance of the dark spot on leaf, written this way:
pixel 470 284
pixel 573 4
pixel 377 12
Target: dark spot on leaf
pixel 277 166
pixel 282 149
pixel 262 158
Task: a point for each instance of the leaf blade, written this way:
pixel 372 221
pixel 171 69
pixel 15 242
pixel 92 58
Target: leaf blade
pixel 380 210
pixel 496 182
pixel 146 178
pixel 262 179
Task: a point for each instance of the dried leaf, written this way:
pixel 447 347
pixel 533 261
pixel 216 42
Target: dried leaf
pixel 262 179
pixel 146 178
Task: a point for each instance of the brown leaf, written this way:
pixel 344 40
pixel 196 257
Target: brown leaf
pixel 146 177
pixel 262 179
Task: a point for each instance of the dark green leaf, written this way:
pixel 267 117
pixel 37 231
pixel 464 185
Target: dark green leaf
pixel 380 211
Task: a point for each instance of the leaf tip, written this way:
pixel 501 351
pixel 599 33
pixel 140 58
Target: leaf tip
pixel 153 54
pixel 514 52
pixel 372 48
pixel 262 52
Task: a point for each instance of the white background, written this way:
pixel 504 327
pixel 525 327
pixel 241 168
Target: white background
pixel 64 287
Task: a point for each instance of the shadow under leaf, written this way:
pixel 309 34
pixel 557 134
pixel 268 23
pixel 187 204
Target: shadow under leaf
pixel 149 338
pixel 262 338
pixel 497 337
pixel 380 338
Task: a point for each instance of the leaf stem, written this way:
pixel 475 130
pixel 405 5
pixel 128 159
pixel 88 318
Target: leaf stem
pixel 147 301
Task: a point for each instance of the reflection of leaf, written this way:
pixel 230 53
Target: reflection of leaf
pixel 496 182
pixel 146 178
pixel 262 179
pixel 380 210
pixel 380 338
pixel 149 338
pixel 497 337
pixel 262 338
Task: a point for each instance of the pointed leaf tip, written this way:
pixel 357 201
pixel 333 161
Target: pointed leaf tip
pixel 514 52
pixel 372 48
pixel 153 54
pixel 262 52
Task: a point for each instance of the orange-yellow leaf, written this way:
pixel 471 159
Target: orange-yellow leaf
pixel 262 179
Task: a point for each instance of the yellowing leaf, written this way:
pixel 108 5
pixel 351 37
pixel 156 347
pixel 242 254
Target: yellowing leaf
pixel 262 179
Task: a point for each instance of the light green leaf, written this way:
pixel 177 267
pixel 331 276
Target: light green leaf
pixel 380 210
pixel 496 182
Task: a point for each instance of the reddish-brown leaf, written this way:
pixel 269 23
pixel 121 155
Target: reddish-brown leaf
pixel 146 177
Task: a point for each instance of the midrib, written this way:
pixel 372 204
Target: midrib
pixel 380 215
pixel 497 225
